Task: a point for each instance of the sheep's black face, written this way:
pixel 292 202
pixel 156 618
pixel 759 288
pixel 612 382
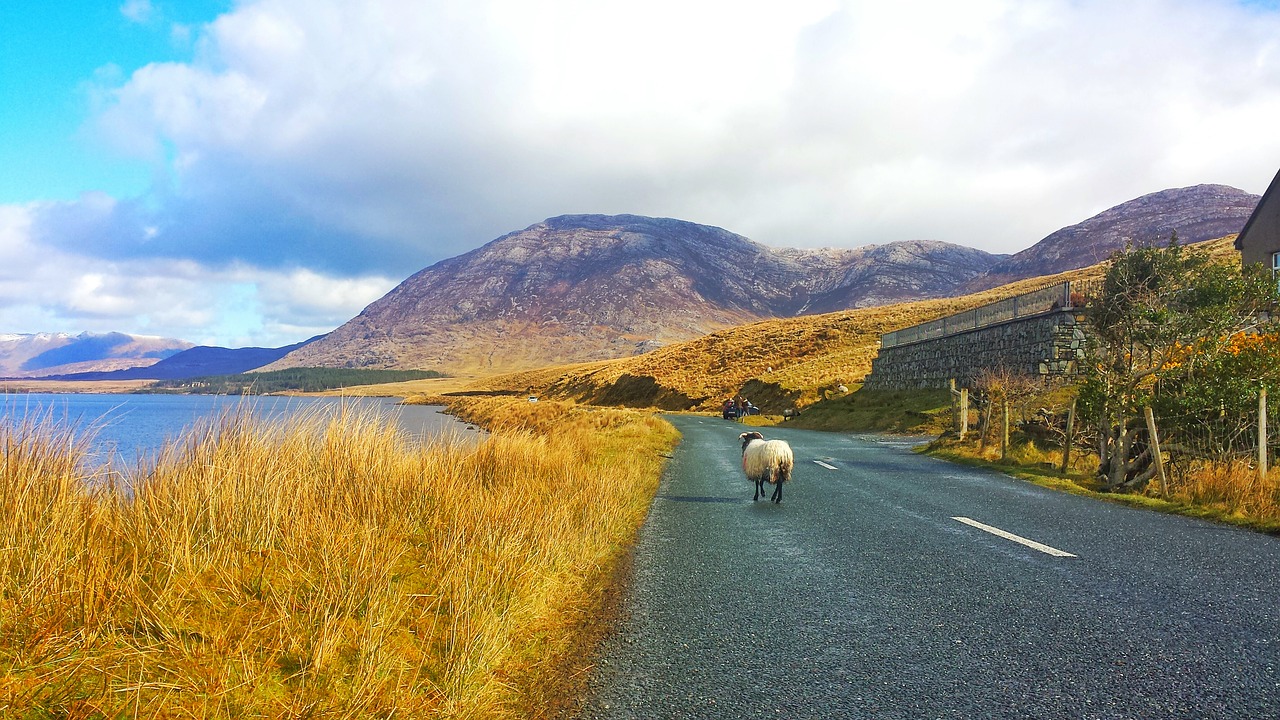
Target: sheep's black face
pixel 747 437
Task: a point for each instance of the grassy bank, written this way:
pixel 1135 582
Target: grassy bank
pixel 327 568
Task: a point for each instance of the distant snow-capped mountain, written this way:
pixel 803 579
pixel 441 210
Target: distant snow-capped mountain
pixel 42 354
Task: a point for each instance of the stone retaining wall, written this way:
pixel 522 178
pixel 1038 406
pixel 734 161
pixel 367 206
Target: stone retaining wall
pixel 1042 345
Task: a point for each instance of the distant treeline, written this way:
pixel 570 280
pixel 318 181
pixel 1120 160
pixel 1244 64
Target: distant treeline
pixel 299 379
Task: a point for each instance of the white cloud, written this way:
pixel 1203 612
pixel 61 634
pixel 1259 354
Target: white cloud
pixel 363 140
pixel 138 11
pixel 425 129
pixel 15 232
pixel 305 293
pixel 180 34
pixel 49 290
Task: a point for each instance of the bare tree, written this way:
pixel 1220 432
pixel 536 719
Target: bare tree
pixel 996 390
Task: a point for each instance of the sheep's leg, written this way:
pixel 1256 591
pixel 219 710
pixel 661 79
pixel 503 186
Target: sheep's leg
pixel 777 493
pixel 759 489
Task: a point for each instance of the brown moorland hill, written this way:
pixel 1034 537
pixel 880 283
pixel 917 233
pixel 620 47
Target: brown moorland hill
pixel 791 362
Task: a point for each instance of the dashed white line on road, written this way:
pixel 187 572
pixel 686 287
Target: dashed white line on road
pixel 1016 538
pixel 829 467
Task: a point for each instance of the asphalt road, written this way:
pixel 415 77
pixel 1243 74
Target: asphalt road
pixel 861 596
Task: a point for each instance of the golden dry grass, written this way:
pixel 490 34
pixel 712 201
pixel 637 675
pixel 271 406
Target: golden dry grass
pixel 324 568
pixel 1235 491
pixel 1225 492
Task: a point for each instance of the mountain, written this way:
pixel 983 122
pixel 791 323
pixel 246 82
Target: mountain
pixel 198 361
pixel 43 354
pixel 1197 213
pixel 590 287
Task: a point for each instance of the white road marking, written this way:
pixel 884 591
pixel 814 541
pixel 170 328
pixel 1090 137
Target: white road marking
pixel 829 467
pixel 1016 538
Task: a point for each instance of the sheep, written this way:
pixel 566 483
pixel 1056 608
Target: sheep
pixel 766 461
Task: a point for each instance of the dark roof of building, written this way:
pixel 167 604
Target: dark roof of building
pixel 1272 190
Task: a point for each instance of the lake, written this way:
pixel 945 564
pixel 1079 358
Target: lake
pixel 131 428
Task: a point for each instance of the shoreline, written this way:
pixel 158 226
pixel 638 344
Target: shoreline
pixel 23 386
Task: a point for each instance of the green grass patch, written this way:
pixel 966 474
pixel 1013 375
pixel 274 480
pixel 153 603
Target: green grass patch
pixel 914 412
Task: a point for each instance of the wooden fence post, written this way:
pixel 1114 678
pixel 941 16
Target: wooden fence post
pixel 1156 456
pixel 1004 433
pixel 1262 433
pixel 955 407
pixel 960 409
pixel 1071 430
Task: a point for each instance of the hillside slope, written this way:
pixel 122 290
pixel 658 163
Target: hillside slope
pixel 777 363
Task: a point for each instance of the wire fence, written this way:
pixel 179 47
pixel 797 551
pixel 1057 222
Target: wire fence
pixel 1190 444
pixel 1249 439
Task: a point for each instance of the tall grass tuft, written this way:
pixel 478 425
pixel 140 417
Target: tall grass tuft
pixel 326 566
pixel 1233 489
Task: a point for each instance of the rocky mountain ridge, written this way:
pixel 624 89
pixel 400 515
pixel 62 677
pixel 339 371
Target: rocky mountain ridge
pixel 592 287
pixel 589 287
pixel 1197 213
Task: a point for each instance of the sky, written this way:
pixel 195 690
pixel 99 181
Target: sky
pixel 256 172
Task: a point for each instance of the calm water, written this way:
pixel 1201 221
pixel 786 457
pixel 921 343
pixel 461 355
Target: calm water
pixel 131 428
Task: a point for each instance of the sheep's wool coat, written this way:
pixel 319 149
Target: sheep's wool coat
pixel 769 460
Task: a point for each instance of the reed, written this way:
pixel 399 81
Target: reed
pixel 324 567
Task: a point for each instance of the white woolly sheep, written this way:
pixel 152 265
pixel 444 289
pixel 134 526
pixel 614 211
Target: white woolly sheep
pixel 766 461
